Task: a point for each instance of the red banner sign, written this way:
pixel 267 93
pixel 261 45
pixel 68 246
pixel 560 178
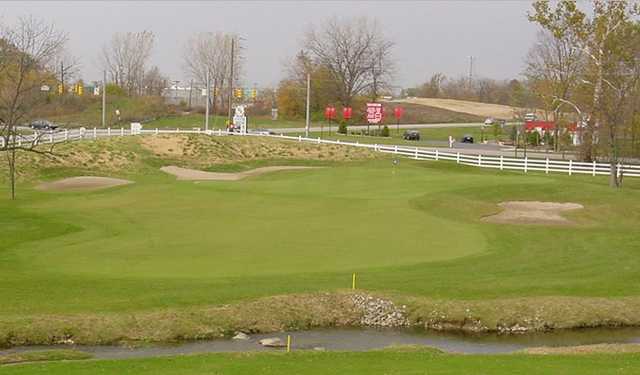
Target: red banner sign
pixel 330 113
pixel 347 112
pixel 374 113
pixel 397 112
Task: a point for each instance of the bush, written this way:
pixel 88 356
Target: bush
pixel 342 129
pixel 385 131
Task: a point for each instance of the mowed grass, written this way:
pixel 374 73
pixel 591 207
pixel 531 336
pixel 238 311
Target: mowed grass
pixel 196 120
pixel 378 362
pixel 412 229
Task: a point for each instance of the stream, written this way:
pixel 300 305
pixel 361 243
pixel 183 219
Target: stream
pixel 362 340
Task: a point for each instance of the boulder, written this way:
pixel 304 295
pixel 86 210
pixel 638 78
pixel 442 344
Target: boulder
pixel 272 342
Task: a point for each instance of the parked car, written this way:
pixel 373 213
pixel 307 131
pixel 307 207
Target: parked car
pixel 530 117
pixel 467 139
pixel 43 125
pixel 411 135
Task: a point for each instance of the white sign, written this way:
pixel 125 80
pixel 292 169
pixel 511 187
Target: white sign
pixel 136 128
pixel 240 120
pixel 96 90
pixel 374 113
pixel 204 92
pixel 44 88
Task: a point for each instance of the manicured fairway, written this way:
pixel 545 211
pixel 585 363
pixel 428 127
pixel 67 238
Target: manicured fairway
pixel 414 228
pixel 347 363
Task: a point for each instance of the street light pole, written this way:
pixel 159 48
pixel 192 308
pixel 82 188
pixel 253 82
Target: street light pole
pixel 104 98
pixel 233 41
pixel 306 129
pixel 206 115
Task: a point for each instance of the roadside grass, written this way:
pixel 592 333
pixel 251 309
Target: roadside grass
pixel 429 137
pixel 411 231
pixel 43 356
pixel 377 362
pixel 196 120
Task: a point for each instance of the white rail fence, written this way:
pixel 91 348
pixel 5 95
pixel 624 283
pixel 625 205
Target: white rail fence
pixel 484 161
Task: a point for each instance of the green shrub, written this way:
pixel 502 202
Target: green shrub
pixel 385 131
pixel 342 129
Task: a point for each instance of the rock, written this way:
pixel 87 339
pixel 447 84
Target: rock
pixel 272 342
pixel 241 336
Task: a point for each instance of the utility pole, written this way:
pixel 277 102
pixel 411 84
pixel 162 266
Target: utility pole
pixel 233 40
pixel 470 70
pixel 104 98
pixel 190 91
pixel 62 77
pixel 306 128
pixel 206 112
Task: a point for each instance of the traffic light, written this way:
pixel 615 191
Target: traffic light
pixel 254 93
pixel 239 93
pixel 80 89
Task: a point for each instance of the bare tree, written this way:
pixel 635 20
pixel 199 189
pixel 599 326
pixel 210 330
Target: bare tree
pixel 554 65
pixel 125 58
pixel 211 52
pixel 27 51
pixel 355 52
pixel 154 82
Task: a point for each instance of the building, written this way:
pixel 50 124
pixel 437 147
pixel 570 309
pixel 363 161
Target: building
pixel 542 127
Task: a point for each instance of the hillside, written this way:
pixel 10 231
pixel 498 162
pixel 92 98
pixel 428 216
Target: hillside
pixel 483 110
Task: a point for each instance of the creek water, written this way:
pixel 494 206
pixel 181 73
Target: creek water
pixel 362 340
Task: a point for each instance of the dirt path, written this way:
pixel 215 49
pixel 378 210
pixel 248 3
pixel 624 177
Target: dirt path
pixel 528 212
pixel 196 175
pixel 82 183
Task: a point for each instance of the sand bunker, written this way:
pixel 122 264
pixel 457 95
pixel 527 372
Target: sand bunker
pixel 523 212
pixel 196 175
pixel 83 183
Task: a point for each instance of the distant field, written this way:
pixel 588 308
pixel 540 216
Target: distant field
pixel 483 110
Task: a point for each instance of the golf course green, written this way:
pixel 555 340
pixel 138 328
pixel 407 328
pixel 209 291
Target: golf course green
pixel 412 231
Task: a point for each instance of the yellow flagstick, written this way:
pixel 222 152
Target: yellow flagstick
pixel 288 343
pixel 353 281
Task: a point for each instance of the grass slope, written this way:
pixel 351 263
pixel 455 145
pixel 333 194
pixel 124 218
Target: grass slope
pixel 382 362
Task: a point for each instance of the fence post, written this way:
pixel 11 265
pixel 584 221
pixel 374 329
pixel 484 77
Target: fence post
pixel 95 133
pixel 458 157
pixel 66 134
pixel 525 164
pixel 375 147
pixel 122 132
pixel 546 167
pixel 416 153
pixel 436 154
pixel 299 138
pixel 395 149
pixel 109 132
pixel 618 170
pixel 570 166
pixel 501 162
pixel 50 137
pixel 479 160
pixel 594 168
pixel 157 131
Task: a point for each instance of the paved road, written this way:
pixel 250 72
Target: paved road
pixel 362 127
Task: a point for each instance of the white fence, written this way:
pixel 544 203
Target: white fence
pixel 498 162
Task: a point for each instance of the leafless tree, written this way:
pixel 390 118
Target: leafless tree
pixel 154 82
pixel 553 67
pixel 211 52
pixel 356 53
pixel 27 51
pixel 125 58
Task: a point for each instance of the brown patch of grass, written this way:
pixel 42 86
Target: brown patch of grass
pixel 586 349
pixel 41 356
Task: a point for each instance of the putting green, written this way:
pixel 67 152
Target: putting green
pixel 305 221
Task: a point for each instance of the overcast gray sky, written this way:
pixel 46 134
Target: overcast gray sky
pixel 430 36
